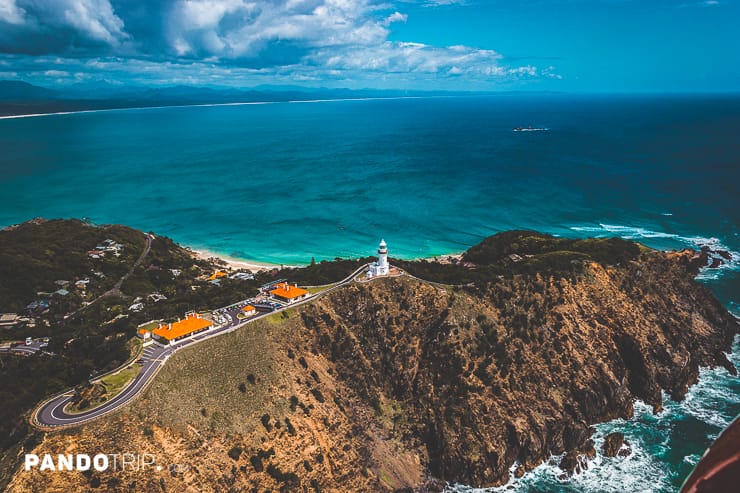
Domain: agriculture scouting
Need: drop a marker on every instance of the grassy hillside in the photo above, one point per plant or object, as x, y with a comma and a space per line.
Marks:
90, 340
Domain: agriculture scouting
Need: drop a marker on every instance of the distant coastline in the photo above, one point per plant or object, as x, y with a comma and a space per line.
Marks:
20, 99
205, 105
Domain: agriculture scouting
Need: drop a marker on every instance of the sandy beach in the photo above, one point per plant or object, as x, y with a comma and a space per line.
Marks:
235, 263
256, 266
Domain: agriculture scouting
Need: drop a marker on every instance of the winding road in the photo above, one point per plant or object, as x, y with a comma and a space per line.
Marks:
116, 289
51, 414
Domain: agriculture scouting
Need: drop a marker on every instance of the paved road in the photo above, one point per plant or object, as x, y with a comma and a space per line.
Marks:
116, 289
50, 414
24, 349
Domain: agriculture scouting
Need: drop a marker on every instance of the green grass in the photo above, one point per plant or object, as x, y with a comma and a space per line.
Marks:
281, 316
386, 478
320, 289
200, 385
149, 326
275, 318
114, 384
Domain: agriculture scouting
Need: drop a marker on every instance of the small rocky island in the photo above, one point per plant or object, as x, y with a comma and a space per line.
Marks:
504, 357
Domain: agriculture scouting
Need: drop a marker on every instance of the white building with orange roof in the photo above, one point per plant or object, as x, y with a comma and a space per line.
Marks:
190, 325
288, 293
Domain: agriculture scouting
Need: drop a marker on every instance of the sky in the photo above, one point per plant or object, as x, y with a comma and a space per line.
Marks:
552, 45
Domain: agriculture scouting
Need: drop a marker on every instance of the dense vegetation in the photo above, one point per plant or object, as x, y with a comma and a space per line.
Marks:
524, 253
324, 272
34, 255
494, 249
85, 342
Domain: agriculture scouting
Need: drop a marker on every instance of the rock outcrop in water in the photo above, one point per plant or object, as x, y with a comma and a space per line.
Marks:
400, 383
613, 443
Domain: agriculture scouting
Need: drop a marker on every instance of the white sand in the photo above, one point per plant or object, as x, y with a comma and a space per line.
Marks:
234, 263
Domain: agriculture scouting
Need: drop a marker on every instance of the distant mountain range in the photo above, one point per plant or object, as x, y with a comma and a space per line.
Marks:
16, 90
22, 98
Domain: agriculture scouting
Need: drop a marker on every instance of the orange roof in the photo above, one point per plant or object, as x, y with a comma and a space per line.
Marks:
249, 308
189, 324
285, 290
216, 275
143, 331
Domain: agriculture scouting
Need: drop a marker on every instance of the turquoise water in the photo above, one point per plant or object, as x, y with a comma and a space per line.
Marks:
287, 182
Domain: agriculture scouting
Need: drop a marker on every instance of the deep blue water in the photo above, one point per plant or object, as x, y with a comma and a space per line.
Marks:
289, 181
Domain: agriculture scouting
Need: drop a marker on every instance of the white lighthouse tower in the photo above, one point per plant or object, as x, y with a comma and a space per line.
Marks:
380, 267
382, 258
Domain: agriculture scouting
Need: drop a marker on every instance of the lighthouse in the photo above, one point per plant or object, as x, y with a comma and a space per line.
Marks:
382, 258
380, 267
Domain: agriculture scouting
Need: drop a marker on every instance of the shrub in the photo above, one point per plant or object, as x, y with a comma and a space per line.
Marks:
265, 420
318, 395
235, 453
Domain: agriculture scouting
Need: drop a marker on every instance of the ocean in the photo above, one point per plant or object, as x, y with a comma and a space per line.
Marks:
287, 182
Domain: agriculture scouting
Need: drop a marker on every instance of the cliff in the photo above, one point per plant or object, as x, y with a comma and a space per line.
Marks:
400, 383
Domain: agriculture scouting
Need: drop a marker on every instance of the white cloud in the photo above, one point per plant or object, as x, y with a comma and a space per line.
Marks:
47, 21
240, 28
11, 13
94, 17
243, 41
395, 17
437, 3
344, 36
206, 14
522, 71
399, 57
550, 73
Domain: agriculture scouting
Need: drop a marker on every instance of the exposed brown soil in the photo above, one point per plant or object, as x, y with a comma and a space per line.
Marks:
401, 384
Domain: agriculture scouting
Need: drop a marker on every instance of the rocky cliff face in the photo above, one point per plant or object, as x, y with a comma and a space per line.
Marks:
400, 384
518, 370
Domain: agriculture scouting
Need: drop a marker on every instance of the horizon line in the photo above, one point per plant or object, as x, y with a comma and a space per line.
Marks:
459, 94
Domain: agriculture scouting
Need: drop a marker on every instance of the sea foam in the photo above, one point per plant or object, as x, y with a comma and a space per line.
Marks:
713, 402
646, 235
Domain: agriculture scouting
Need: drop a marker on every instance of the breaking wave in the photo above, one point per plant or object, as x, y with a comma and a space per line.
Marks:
663, 240
664, 447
